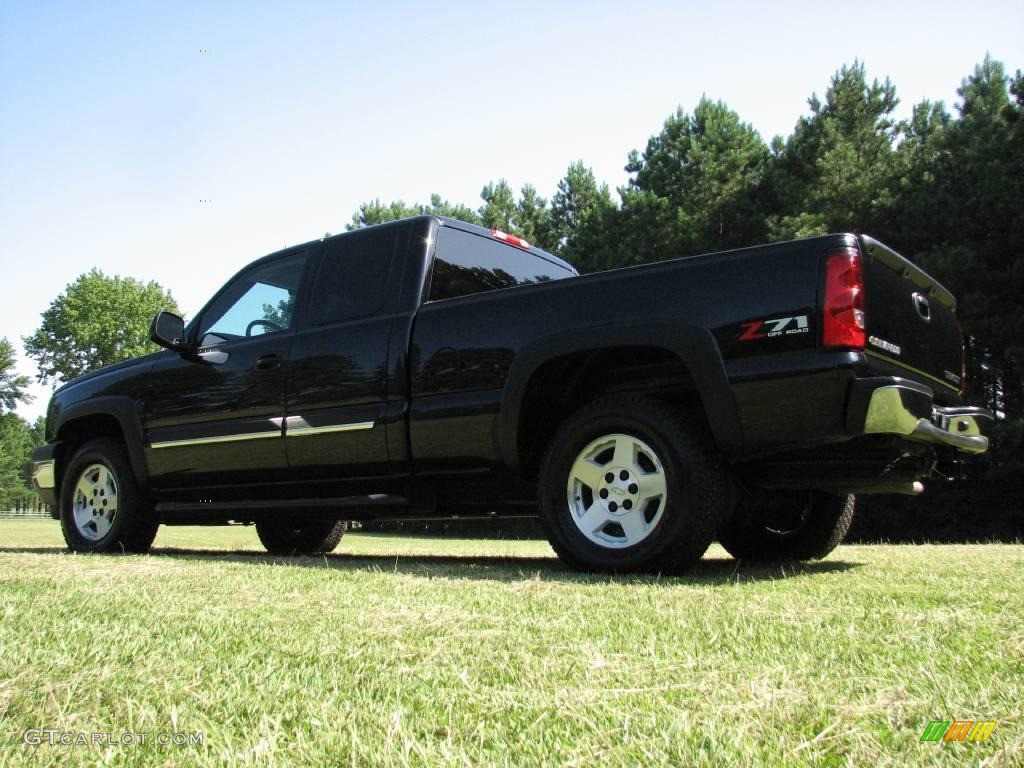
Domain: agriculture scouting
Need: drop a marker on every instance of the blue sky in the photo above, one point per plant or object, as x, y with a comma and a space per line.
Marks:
114, 125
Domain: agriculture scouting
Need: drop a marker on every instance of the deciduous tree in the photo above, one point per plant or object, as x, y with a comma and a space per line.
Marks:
97, 321
12, 384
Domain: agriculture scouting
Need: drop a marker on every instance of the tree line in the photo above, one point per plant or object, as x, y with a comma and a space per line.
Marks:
941, 187
943, 190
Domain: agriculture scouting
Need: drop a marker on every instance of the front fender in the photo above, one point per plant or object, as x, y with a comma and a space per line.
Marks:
125, 411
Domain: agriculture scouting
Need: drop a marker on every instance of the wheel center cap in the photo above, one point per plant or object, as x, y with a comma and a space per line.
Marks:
617, 492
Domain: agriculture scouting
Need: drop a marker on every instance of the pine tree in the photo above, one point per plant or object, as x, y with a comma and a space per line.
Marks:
499, 208
696, 185
581, 211
533, 218
835, 172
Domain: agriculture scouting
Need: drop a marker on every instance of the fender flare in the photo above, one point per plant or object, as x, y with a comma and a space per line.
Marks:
124, 410
694, 346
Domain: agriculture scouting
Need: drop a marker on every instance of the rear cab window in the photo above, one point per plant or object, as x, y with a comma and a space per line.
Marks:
353, 275
466, 263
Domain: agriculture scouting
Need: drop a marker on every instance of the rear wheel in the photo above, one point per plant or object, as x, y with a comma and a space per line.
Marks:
632, 484
101, 506
303, 538
787, 525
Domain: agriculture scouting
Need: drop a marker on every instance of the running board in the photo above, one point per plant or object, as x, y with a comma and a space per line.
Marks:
341, 508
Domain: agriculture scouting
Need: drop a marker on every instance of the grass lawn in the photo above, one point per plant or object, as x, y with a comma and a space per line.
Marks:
446, 652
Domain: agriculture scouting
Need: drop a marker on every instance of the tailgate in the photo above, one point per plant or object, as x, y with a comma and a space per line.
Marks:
911, 320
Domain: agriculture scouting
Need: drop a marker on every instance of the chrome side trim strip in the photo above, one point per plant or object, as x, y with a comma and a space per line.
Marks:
302, 429
295, 426
217, 439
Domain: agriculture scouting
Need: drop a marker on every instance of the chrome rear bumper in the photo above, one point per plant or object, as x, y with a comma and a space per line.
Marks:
896, 409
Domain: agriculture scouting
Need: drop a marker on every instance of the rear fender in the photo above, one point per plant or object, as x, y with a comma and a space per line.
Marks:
694, 346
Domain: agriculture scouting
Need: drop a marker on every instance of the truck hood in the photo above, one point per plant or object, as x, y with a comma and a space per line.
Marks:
134, 362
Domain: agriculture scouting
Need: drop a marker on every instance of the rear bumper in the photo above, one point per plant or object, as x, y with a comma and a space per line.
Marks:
902, 408
844, 434
44, 473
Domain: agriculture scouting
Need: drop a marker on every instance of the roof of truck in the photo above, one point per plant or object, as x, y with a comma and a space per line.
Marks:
444, 221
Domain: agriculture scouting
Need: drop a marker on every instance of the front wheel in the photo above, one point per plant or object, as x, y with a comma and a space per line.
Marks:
632, 484
787, 525
101, 506
282, 537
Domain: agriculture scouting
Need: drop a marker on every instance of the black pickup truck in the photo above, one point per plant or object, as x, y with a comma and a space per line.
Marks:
430, 368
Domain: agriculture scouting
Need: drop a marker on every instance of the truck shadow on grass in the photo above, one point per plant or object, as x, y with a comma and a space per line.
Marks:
512, 569
508, 568
710, 570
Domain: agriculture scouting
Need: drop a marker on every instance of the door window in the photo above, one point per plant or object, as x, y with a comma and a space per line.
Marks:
260, 301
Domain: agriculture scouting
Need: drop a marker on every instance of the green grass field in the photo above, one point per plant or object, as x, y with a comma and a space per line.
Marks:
446, 652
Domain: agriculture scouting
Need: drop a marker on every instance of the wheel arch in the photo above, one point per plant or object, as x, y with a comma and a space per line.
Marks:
114, 417
684, 355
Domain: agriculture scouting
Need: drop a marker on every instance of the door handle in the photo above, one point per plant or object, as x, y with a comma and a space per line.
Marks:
268, 362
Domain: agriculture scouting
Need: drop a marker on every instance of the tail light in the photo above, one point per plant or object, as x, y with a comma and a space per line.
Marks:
843, 317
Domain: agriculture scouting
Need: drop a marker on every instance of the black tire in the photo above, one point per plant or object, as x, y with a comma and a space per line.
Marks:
787, 525
102, 508
289, 538
672, 531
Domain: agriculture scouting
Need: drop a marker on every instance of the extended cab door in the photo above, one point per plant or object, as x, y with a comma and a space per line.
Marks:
464, 349
215, 418
336, 429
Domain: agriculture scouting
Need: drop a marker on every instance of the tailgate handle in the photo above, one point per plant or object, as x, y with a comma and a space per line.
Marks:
921, 305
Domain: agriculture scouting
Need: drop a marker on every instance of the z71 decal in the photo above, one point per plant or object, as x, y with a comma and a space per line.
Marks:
767, 329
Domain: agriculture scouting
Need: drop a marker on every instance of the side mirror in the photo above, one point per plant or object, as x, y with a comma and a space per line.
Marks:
168, 330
